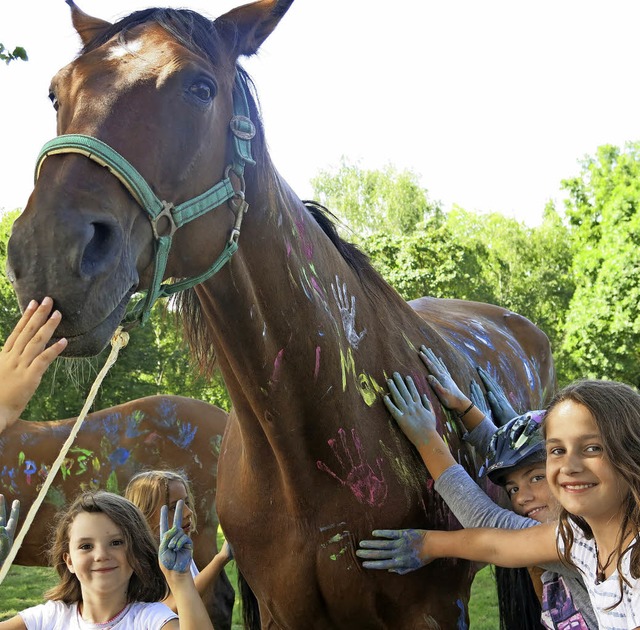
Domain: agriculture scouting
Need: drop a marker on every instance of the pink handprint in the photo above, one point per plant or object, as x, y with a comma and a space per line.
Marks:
366, 485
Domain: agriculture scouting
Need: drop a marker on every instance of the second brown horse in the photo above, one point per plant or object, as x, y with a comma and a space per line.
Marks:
113, 444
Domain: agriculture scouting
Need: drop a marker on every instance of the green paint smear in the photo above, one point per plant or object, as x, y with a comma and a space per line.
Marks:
335, 556
112, 483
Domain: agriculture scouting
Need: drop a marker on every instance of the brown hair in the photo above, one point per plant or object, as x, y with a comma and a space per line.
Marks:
149, 490
147, 583
615, 408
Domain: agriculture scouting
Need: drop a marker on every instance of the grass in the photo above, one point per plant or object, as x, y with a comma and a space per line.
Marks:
24, 586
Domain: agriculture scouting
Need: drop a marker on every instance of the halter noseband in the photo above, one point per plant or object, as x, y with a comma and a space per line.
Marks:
243, 131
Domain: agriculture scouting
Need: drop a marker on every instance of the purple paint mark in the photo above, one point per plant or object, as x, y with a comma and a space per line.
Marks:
30, 469
119, 457
318, 289
316, 371
186, 433
367, 485
277, 366
307, 245
287, 245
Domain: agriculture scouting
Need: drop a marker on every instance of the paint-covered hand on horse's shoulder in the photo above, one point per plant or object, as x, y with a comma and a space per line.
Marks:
410, 409
395, 550
442, 382
7, 528
25, 358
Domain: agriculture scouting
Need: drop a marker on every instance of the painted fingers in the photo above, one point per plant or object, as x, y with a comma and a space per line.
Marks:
176, 548
7, 528
411, 410
443, 385
396, 551
500, 406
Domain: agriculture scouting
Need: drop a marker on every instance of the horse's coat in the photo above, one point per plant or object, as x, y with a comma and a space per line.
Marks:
156, 432
305, 332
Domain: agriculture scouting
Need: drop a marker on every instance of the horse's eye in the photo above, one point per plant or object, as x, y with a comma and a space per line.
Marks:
54, 100
203, 91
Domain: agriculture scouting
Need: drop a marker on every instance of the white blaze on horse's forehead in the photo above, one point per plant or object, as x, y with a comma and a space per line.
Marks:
119, 50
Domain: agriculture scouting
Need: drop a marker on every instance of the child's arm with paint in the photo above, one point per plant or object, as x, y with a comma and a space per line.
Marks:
400, 551
175, 555
208, 575
24, 358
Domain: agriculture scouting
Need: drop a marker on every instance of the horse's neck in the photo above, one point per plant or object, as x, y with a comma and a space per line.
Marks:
294, 324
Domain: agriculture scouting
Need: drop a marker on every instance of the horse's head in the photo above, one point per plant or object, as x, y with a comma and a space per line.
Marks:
151, 97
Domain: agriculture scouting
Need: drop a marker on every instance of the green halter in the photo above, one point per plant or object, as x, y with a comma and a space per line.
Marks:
243, 131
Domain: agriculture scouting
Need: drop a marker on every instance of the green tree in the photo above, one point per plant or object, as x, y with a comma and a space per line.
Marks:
17, 53
371, 201
603, 207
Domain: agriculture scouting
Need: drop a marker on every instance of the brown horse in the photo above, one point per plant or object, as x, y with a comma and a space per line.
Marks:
304, 330
153, 432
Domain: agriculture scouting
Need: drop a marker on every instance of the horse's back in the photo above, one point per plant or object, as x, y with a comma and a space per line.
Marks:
508, 345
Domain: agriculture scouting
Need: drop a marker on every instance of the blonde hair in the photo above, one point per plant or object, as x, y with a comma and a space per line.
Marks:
149, 490
147, 583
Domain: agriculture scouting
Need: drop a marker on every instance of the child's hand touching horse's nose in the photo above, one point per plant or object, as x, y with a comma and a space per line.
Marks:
176, 548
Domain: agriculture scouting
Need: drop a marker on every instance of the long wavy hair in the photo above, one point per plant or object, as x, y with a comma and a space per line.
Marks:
147, 583
615, 408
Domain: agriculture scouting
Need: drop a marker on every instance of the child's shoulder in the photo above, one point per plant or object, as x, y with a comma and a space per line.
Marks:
147, 614
53, 615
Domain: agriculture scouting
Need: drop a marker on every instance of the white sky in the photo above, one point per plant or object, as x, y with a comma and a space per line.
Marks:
492, 103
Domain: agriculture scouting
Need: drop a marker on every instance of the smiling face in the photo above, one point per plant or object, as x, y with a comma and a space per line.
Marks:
529, 493
578, 471
98, 557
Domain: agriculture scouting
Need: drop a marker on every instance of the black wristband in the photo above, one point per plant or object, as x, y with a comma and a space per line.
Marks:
466, 411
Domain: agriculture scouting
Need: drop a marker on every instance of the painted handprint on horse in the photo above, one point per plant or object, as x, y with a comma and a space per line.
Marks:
367, 485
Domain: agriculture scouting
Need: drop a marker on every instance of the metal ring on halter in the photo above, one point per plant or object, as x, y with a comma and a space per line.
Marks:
166, 213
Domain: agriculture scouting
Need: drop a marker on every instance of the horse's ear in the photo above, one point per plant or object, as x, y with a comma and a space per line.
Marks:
88, 27
250, 24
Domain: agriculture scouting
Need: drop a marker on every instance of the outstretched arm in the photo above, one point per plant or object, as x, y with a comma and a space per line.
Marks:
400, 551
25, 358
175, 555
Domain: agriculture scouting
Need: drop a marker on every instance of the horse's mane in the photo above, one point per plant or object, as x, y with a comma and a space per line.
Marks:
201, 36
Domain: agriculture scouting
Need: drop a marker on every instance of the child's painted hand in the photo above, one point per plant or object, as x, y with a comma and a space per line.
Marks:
176, 548
7, 529
444, 386
412, 411
479, 400
395, 550
25, 358
500, 406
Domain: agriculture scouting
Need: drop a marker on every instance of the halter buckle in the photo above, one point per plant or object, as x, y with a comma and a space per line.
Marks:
242, 127
165, 213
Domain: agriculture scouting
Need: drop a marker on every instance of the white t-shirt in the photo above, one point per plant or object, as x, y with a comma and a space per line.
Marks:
56, 615
194, 569
626, 615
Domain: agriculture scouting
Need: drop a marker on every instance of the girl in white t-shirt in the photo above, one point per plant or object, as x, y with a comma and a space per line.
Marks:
150, 490
112, 574
592, 436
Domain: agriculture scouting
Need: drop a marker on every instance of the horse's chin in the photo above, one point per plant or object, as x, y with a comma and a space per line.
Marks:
92, 342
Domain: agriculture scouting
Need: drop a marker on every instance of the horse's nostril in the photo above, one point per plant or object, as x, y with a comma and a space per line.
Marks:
98, 249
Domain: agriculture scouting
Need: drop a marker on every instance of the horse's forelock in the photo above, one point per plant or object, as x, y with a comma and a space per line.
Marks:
194, 31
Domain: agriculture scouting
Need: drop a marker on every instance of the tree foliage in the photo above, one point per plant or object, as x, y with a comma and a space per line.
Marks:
17, 53
603, 324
